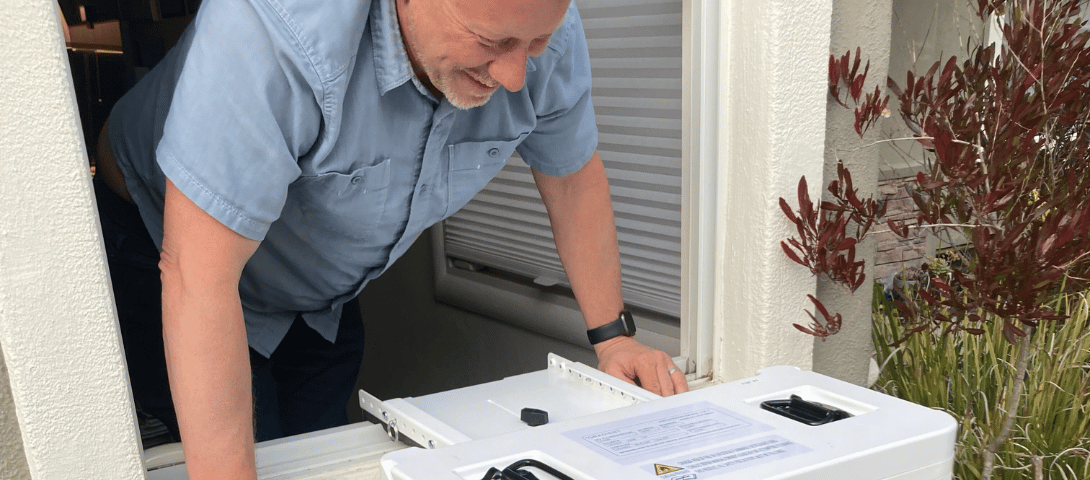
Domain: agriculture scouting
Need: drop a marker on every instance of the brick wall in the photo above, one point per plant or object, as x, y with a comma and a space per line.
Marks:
894, 253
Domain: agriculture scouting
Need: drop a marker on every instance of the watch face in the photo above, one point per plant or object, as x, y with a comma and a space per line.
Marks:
629, 323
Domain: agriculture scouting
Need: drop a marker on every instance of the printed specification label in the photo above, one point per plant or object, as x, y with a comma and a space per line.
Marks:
666, 434
722, 460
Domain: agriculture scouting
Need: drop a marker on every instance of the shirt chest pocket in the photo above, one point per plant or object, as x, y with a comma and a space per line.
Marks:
472, 166
344, 204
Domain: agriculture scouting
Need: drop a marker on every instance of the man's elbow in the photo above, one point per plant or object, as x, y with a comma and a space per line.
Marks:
191, 277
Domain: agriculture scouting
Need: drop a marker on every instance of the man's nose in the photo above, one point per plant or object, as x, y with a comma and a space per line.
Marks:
510, 69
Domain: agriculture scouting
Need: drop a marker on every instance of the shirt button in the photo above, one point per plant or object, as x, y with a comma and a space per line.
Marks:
356, 180
493, 152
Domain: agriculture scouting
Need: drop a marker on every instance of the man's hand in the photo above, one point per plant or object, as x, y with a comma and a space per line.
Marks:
581, 214
638, 364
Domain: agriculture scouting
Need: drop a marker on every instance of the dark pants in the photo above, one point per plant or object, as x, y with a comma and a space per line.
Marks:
304, 386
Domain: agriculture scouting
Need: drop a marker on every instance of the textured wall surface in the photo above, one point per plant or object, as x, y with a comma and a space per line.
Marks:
12, 461
772, 95
58, 329
864, 24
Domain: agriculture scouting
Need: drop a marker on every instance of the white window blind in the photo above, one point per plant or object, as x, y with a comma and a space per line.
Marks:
635, 50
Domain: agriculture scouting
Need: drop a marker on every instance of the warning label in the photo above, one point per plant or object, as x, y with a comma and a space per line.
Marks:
727, 458
661, 470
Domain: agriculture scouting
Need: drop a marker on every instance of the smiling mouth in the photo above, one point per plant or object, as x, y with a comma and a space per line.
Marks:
484, 85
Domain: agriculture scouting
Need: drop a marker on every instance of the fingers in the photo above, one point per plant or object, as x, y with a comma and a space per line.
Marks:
659, 375
632, 361
681, 385
650, 374
666, 386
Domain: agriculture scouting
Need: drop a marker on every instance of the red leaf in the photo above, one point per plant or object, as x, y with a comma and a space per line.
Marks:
805, 206
818, 305
834, 70
941, 285
901, 230
834, 187
947, 71
927, 297
893, 87
807, 330
858, 58
787, 211
1034, 74
931, 71
1012, 333
791, 255
857, 82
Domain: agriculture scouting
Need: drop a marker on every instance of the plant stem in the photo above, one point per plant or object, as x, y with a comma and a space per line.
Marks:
1011, 412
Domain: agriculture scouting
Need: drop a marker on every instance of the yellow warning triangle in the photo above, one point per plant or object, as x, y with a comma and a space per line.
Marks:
664, 469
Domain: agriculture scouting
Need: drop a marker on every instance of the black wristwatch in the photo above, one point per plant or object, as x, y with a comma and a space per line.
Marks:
623, 325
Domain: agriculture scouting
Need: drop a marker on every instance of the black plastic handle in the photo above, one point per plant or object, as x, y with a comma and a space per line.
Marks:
799, 410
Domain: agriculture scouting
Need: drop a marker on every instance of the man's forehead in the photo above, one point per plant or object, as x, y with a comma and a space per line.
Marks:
512, 18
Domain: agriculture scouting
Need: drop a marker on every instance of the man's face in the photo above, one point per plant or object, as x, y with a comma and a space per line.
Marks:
465, 50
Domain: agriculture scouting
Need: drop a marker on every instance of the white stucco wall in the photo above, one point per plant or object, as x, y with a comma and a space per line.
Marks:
772, 129
864, 24
12, 461
58, 329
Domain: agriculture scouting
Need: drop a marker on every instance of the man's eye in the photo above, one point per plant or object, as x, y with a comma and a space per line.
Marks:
503, 45
491, 45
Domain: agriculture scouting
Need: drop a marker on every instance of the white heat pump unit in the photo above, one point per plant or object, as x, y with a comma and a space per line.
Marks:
572, 422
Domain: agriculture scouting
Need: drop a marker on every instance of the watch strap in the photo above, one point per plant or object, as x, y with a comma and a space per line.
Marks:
623, 325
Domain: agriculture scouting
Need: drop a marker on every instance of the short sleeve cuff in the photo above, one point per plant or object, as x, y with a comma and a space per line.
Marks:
223, 211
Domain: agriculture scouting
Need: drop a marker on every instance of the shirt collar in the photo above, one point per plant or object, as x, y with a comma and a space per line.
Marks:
392, 65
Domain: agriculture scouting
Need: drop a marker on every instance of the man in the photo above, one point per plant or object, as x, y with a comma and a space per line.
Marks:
285, 153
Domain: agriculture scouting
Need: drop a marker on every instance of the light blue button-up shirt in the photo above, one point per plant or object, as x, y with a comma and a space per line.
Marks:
300, 123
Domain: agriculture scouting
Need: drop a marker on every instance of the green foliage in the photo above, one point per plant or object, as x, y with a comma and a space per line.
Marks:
971, 377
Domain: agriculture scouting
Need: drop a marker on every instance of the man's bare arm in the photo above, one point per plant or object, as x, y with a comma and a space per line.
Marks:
205, 340
581, 214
